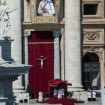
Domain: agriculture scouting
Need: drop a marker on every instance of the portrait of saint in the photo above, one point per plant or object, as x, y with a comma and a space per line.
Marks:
45, 8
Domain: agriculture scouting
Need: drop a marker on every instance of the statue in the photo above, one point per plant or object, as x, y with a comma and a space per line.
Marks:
42, 60
40, 97
4, 19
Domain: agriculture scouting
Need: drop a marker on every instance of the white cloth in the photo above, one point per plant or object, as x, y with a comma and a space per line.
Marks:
94, 95
89, 95
55, 92
49, 6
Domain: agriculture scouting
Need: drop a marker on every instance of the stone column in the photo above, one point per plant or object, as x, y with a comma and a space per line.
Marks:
56, 35
62, 54
26, 35
73, 44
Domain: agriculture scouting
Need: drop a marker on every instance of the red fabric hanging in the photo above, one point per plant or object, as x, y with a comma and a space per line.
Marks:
37, 79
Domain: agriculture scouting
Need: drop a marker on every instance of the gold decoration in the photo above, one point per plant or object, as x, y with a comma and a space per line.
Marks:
41, 43
44, 19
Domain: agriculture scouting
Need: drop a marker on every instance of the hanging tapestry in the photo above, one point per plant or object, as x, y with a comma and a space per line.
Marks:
44, 11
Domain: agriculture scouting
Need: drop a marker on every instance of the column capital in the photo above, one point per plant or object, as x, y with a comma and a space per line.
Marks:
56, 33
27, 33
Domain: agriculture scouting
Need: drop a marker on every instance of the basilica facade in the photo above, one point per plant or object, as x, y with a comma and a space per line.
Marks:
72, 49
87, 61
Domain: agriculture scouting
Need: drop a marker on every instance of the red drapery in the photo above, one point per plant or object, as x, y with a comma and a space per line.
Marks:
37, 79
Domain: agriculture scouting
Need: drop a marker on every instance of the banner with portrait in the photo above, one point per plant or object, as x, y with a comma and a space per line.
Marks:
44, 11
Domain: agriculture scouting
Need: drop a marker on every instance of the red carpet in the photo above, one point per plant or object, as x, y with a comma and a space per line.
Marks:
64, 101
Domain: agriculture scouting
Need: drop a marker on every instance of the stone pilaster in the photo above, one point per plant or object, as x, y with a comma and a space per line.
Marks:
26, 35
73, 44
56, 35
15, 33
62, 54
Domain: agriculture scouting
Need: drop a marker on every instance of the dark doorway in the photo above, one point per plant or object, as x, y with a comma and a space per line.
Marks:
91, 71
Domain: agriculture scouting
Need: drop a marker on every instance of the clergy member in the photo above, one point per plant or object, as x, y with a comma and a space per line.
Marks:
21, 97
55, 93
46, 8
63, 92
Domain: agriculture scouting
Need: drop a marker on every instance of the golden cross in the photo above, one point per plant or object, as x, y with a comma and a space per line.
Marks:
41, 59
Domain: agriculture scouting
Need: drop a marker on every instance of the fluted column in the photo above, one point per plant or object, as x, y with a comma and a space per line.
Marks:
26, 35
73, 44
56, 35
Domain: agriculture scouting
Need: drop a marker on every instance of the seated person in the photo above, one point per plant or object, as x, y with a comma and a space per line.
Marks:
55, 93
26, 97
63, 92
59, 94
21, 97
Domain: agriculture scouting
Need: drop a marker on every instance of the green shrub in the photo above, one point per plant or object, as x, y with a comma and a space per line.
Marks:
29, 90
36, 100
69, 94
45, 95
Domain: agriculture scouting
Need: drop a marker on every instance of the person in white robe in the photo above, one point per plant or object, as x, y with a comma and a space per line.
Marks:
46, 8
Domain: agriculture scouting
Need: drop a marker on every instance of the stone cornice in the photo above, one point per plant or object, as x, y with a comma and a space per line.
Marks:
42, 27
93, 22
95, 44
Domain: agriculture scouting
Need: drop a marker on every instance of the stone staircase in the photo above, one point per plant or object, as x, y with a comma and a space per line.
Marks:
89, 104
33, 102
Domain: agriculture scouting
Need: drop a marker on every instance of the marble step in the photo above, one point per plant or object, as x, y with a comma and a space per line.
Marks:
89, 104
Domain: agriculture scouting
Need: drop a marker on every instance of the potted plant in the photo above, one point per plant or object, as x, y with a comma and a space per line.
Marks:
69, 94
29, 90
46, 96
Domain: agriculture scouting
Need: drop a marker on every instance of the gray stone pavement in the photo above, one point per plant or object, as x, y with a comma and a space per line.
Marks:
33, 102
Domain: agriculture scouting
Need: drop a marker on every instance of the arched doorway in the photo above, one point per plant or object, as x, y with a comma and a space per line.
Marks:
91, 71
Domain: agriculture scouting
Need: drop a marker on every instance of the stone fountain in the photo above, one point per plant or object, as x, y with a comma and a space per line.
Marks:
9, 71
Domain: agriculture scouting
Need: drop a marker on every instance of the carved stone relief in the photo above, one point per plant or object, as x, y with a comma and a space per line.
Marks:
91, 36
98, 50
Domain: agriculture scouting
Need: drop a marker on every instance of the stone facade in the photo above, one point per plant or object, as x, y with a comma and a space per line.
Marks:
88, 36
92, 32
93, 40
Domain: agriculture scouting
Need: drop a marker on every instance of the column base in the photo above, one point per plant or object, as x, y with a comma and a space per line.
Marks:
83, 96
7, 100
17, 93
75, 88
18, 88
